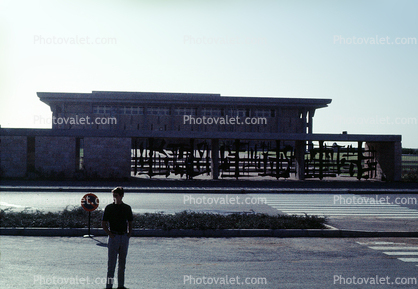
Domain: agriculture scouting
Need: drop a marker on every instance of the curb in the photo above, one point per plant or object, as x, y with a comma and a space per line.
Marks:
233, 233
214, 190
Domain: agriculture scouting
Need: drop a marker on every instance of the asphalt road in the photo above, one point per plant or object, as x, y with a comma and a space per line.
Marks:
56, 262
59, 262
140, 202
349, 216
174, 202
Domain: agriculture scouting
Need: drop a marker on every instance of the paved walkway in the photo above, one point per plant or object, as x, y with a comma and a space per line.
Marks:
172, 185
333, 205
161, 263
260, 182
353, 212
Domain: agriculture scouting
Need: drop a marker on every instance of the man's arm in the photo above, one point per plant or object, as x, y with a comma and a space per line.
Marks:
105, 226
129, 229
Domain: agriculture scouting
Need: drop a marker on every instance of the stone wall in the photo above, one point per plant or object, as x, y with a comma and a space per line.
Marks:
54, 153
13, 156
107, 157
55, 156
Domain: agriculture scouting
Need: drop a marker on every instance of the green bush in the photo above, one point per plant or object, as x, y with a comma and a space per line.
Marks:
410, 176
78, 218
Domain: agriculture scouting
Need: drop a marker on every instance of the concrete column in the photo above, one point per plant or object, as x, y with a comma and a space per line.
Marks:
310, 124
397, 175
310, 121
215, 158
300, 159
389, 160
304, 119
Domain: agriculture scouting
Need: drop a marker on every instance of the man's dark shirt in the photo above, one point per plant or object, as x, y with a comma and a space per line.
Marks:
118, 216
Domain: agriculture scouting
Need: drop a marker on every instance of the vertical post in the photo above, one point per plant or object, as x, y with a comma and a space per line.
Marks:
304, 121
150, 156
190, 166
237, 146
321, 159
300, 146
338, 160
397, 161
310, 124
278, 160
215, 158
136, 155
89, 223
359, 160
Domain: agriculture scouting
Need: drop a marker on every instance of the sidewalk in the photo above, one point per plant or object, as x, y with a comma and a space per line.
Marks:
332, 232
382, 226
215, 186
154, 263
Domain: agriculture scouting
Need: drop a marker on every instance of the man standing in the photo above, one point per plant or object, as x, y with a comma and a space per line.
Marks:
117, 223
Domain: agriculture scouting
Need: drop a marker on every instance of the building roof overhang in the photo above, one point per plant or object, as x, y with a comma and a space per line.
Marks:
121, 97
199, 135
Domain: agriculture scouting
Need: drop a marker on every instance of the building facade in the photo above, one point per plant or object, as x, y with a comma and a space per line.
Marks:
122, 134
181, 112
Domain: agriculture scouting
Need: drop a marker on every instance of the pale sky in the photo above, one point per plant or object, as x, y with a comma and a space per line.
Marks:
343, 50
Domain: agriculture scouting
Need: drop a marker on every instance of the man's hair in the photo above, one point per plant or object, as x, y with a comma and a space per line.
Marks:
119, 191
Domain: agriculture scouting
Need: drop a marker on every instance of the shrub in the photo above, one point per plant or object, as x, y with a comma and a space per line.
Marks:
78, 218
410, 175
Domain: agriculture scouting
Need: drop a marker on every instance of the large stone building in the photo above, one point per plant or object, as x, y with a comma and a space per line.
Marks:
146, 111
121, 134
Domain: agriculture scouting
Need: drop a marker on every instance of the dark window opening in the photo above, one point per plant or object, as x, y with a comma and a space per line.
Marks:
30, 162
79, 153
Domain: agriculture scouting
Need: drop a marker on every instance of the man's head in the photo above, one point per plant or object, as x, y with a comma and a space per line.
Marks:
118, 194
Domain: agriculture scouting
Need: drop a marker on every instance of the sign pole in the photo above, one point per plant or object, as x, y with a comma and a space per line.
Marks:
89, 202
89, 224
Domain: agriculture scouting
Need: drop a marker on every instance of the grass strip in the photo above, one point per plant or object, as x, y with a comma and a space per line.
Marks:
78, 218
